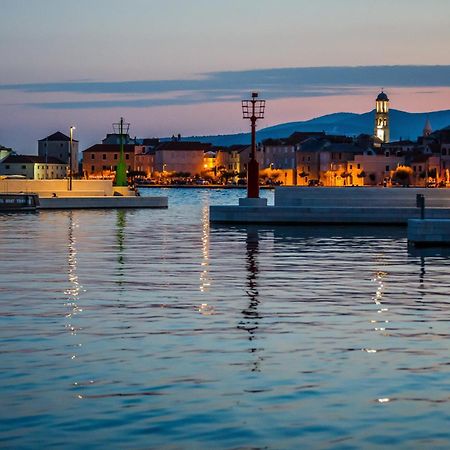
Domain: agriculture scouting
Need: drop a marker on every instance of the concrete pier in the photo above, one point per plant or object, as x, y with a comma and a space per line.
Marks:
429, 232
303, 205
102, 202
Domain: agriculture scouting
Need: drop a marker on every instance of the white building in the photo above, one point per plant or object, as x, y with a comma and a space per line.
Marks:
57, 145
33, 167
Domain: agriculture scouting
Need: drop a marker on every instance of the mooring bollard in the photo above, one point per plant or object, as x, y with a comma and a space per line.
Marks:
420, 203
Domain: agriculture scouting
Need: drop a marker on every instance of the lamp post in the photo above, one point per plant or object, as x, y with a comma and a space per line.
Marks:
70, 157
253, 109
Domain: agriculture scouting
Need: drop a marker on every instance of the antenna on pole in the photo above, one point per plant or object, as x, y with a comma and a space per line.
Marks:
121, 128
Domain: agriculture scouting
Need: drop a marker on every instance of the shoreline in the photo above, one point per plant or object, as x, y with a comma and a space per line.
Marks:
195, 186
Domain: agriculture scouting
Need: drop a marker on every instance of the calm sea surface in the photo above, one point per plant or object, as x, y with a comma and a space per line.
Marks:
151, 329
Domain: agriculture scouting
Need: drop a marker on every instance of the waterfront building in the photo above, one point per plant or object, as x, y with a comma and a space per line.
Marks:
100, 160
209, 160
33, 167
323, 160
231, 158
178, 156
373, 169
381, 130
57, 145
278, 154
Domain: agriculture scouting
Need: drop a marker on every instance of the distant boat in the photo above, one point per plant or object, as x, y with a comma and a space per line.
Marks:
18, 202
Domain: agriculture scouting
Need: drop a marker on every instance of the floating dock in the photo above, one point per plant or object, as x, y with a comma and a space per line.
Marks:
429, 232
339, 205
102, 202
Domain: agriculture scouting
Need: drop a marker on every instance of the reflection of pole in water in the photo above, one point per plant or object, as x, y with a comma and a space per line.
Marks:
120, 237
251, 315
422, 271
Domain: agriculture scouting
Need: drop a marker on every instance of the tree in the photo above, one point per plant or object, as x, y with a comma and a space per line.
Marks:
403, 175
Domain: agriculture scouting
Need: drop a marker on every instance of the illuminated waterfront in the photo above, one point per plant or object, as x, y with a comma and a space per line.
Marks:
149, 329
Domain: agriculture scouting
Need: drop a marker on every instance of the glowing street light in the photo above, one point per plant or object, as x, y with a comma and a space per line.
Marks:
253, 109
72, 128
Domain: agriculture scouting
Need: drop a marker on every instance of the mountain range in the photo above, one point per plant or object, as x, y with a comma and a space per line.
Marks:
403, 125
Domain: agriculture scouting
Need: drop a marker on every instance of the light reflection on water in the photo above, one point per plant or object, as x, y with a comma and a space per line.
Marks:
187, 335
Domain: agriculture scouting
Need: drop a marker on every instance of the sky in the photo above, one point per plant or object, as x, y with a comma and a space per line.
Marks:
182, 66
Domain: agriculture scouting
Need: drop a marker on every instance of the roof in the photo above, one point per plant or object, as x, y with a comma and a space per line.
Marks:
183, 145
323, 144
398, 143
295, 138
313, 145
31, 159
382, 97
105, 148
58, 136
150, 141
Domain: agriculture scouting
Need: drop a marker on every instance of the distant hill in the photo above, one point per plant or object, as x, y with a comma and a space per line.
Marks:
404, 125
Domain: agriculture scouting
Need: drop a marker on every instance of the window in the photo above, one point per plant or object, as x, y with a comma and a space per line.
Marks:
414, 168
92, 155
104, 155
359, 166
351, 167
420, 168
60, 146
309, 158
127, 156
104, 167
7, 167
386, 154
444, 151
387, 169
92, 168
115, 155
340, 155
24, 167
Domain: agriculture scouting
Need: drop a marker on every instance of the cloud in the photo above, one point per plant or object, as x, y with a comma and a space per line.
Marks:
233, 85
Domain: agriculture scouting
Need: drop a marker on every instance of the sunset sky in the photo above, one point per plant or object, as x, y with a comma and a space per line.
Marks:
178, 66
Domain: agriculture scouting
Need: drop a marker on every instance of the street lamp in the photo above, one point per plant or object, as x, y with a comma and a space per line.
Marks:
253, 109
70, 157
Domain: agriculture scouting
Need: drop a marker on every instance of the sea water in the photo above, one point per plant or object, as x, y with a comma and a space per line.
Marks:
153, 329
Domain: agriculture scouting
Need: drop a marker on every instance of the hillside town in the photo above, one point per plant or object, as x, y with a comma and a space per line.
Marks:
301, 159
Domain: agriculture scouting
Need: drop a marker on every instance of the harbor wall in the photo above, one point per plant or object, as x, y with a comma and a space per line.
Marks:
47, 188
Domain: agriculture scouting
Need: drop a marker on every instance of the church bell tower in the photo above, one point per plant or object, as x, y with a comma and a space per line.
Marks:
382, 117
